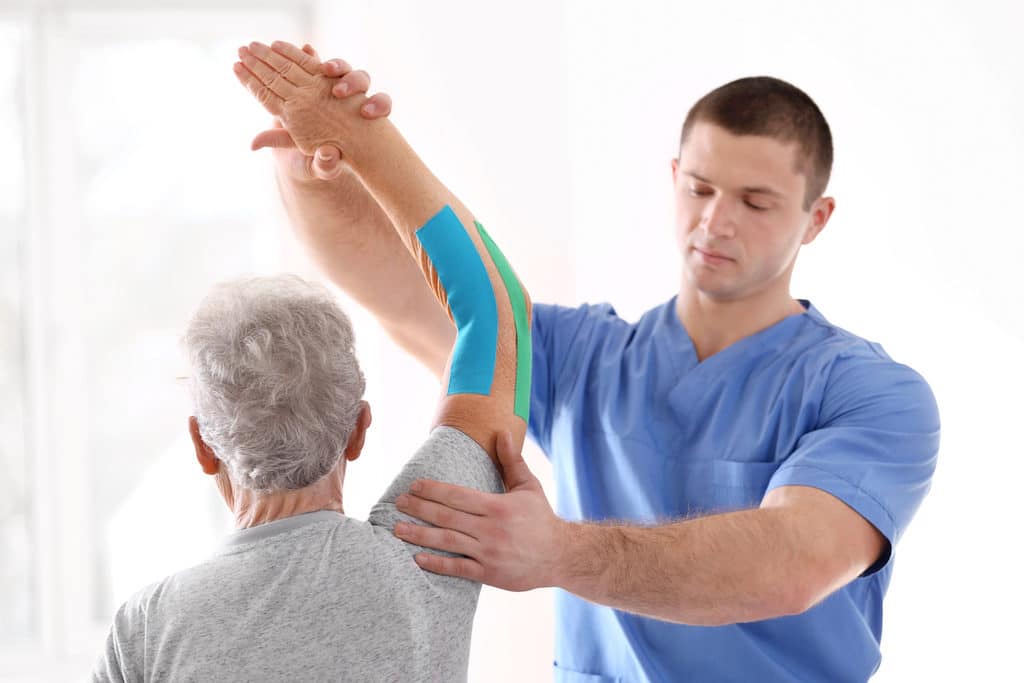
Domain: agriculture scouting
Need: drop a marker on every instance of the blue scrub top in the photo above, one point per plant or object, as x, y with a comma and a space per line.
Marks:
638, 430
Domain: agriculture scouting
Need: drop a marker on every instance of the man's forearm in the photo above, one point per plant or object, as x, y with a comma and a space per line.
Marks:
487, 390
721, 569
353, 241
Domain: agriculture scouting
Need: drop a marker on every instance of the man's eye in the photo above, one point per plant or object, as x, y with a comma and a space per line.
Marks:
699, 192
755, 207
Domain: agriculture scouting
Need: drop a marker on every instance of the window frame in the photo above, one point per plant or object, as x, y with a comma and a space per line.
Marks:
66, 638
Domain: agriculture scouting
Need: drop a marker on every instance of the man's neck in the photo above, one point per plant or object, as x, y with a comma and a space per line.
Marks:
714, 325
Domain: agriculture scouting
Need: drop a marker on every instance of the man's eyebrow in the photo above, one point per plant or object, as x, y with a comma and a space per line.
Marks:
756, 189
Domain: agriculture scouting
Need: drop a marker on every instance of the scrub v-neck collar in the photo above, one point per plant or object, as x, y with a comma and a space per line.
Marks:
770, 337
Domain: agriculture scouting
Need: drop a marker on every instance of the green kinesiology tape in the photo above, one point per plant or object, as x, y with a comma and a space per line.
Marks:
524, 339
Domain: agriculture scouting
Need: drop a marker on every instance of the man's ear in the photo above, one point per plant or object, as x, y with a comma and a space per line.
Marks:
821, 211
358, 437
204, 454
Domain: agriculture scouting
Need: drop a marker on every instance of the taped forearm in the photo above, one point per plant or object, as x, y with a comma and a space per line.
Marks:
490, 308
471, 278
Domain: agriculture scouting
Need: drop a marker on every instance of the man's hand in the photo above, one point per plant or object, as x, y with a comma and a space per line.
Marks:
512, 541
325, 164
289, 83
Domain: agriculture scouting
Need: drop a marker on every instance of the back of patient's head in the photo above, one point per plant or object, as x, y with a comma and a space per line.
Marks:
276, 387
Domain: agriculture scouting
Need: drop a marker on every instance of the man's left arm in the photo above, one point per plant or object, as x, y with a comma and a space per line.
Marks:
748, 565
832, 512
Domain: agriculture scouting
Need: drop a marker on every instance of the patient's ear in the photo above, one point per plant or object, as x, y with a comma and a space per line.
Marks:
358, 436
204, 454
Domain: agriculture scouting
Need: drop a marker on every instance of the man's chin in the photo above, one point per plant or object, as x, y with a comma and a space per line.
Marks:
712, 284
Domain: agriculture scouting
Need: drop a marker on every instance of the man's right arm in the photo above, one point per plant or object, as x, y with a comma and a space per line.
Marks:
354, 243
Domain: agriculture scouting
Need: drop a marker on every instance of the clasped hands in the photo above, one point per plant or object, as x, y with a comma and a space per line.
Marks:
304, 95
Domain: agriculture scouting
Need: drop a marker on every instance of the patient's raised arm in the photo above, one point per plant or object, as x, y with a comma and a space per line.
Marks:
487, 380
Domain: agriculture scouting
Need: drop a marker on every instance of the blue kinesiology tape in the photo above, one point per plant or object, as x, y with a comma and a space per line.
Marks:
470, 300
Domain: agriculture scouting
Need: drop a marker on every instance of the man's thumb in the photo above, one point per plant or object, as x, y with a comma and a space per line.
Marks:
327, 162
515, 473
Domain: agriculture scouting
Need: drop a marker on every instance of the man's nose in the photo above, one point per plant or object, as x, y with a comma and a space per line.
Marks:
717, 220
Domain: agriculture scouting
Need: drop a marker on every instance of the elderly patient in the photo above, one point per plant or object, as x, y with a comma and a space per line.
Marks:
300, 591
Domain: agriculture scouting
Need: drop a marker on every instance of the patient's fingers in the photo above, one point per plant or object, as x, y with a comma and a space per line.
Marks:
307, 62
285, 67
277, 83
270, 101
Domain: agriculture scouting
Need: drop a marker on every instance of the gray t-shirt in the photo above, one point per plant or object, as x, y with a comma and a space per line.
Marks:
314, 597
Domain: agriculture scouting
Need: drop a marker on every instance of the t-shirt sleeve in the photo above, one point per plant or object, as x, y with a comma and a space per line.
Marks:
875, 447
561, 338
117, 663
108, 667
447, 455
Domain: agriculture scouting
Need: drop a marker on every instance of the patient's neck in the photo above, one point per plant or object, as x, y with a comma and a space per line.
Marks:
251, 508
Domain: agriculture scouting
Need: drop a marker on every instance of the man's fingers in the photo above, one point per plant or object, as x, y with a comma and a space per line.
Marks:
439, 539
467, 500
305, 60
336, 68
266, 75
277, 138
451, 566
377, 107
515, 473
440, 515
353, 82
270, 101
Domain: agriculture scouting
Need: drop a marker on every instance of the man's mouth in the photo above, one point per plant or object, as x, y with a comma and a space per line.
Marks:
712, 256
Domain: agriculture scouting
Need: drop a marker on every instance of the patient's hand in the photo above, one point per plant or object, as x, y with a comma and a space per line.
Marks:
326, 163
288, 82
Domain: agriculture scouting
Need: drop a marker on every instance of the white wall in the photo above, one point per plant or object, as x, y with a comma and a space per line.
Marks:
556, 122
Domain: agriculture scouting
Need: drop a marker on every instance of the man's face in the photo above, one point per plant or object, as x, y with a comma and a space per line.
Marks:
740, 219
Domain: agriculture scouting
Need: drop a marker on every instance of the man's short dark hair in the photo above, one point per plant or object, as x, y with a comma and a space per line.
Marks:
770, 107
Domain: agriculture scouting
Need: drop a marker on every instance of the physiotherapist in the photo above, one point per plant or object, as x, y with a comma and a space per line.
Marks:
733, 470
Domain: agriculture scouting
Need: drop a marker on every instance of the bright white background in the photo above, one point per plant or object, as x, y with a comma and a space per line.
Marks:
127, 188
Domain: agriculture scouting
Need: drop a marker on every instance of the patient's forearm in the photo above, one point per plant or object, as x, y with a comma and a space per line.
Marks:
352, 240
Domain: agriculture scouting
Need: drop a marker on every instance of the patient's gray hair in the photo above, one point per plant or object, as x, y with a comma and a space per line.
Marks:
276, 386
